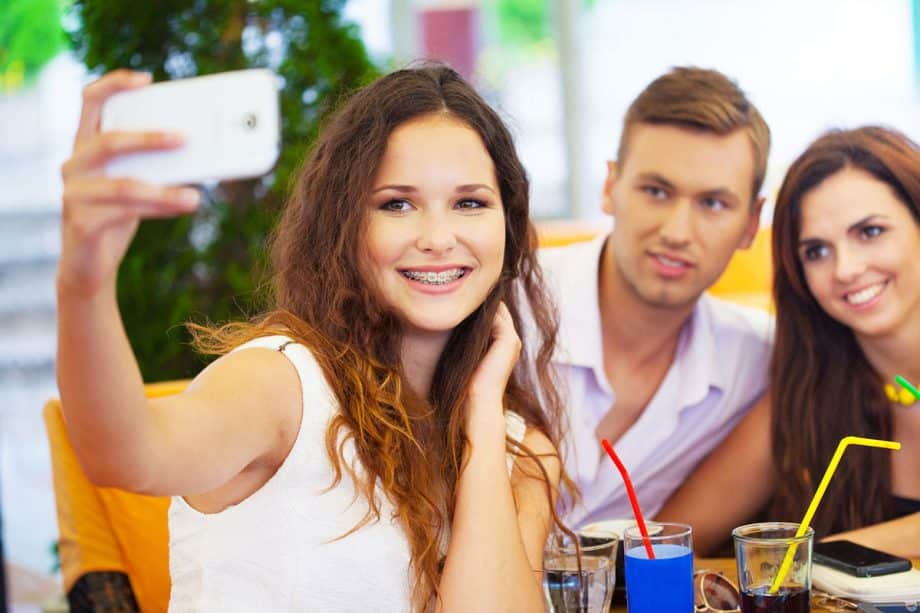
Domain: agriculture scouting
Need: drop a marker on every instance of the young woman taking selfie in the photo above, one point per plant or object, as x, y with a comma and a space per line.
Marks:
375, 440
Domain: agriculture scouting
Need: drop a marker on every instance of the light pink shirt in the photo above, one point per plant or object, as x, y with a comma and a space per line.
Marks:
718, 373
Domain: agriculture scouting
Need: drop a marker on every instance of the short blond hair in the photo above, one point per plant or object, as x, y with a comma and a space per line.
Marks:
700, 99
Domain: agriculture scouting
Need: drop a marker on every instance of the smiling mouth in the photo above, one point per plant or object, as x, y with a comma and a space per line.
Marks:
435, 278
865, 295
670, 262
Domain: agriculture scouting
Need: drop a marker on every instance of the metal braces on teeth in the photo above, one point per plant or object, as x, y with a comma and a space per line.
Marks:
435, 278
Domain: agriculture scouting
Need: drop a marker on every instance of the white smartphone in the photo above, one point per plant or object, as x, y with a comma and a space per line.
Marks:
230, 122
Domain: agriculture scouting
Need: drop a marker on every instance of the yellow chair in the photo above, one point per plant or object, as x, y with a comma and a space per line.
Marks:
107, 529
747, 280
749, 276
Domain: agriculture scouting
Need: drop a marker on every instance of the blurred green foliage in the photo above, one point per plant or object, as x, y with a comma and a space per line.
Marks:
30, 36
522, 22
209, 266
525, 23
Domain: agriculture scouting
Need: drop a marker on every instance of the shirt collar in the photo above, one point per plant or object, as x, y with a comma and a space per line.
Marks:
579, 308
697, 355
580, 343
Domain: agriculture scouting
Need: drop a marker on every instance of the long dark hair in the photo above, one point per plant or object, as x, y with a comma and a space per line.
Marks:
824, 387
412, 447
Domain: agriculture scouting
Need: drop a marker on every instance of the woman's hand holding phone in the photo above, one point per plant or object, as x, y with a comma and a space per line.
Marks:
485, 414
101, 214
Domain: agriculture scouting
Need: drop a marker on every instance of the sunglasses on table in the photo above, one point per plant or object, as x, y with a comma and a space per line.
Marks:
713, 592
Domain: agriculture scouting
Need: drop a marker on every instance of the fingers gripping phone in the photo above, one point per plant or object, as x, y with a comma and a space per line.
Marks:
858, 560
230, 122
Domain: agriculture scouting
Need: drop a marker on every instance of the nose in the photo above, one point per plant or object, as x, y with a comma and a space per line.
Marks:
677, 226
435, 234
848, 265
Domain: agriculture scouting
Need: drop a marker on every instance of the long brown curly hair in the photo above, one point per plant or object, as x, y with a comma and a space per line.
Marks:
411, 446
824, 387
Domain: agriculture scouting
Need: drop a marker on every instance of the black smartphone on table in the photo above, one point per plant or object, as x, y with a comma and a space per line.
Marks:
858, 560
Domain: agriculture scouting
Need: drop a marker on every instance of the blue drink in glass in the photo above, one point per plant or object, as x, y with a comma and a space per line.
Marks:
666, 582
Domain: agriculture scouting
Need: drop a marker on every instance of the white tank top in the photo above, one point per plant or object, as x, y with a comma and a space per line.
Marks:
277, 549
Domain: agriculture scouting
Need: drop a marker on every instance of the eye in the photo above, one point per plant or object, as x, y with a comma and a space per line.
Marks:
396, 206
714, 204
870, 232
814, 253
470, 204
654, 191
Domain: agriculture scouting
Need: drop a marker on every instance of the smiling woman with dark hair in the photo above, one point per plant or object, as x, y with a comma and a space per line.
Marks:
846, 254
375, 428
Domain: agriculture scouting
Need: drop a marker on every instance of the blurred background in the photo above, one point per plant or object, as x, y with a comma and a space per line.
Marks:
561, 72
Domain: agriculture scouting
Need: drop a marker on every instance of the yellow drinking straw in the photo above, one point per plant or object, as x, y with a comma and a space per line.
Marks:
816, 500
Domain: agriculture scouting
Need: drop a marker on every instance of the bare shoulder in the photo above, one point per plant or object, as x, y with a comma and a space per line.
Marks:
255, 380
539, 443
544, 451
243, 410
252, 368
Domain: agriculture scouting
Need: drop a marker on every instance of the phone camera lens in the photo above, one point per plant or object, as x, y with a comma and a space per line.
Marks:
250, 121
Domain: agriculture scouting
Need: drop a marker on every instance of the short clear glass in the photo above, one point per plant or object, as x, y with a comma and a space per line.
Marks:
586, 588
759, 553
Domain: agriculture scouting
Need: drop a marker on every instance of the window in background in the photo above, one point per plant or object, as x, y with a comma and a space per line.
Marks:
809, 66
39, 107
508, 49
562, 72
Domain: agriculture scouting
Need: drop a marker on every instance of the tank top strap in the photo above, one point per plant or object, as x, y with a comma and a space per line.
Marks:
515, 429
299, 355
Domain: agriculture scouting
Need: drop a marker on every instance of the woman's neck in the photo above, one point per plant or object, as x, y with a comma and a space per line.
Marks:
420, 354
895, 354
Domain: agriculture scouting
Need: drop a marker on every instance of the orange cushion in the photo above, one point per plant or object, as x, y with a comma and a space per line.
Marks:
108, 528
749, 276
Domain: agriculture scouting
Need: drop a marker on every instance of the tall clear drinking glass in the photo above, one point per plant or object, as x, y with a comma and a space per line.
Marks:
664, 583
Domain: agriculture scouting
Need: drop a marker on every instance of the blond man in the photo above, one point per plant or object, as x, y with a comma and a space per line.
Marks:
650, 361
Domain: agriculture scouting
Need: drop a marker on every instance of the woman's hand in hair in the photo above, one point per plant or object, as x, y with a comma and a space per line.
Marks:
487, 386
101, 214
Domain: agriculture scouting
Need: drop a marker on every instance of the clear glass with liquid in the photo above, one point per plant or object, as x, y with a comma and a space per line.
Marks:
570, 587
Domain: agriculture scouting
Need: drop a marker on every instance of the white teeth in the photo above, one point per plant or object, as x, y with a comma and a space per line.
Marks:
669, 262
864, 295
435, 278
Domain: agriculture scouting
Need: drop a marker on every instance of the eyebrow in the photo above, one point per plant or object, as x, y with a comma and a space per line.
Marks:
810, 242
721, 192
654, 177
410, 189
865, 220
807, 242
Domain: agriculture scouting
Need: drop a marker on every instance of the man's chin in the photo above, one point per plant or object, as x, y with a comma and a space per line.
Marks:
671, 298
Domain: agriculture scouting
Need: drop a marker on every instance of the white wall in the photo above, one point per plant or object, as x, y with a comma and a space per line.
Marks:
809, 65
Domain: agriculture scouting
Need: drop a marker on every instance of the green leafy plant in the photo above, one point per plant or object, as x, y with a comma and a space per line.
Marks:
209, 266
30, 36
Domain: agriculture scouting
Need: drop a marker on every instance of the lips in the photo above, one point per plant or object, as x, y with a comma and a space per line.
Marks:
865, 295
669, 266
671, 261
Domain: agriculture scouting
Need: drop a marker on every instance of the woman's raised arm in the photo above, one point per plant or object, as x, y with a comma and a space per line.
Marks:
167, 446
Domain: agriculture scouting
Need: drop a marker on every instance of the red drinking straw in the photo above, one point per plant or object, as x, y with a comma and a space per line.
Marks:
632, 497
